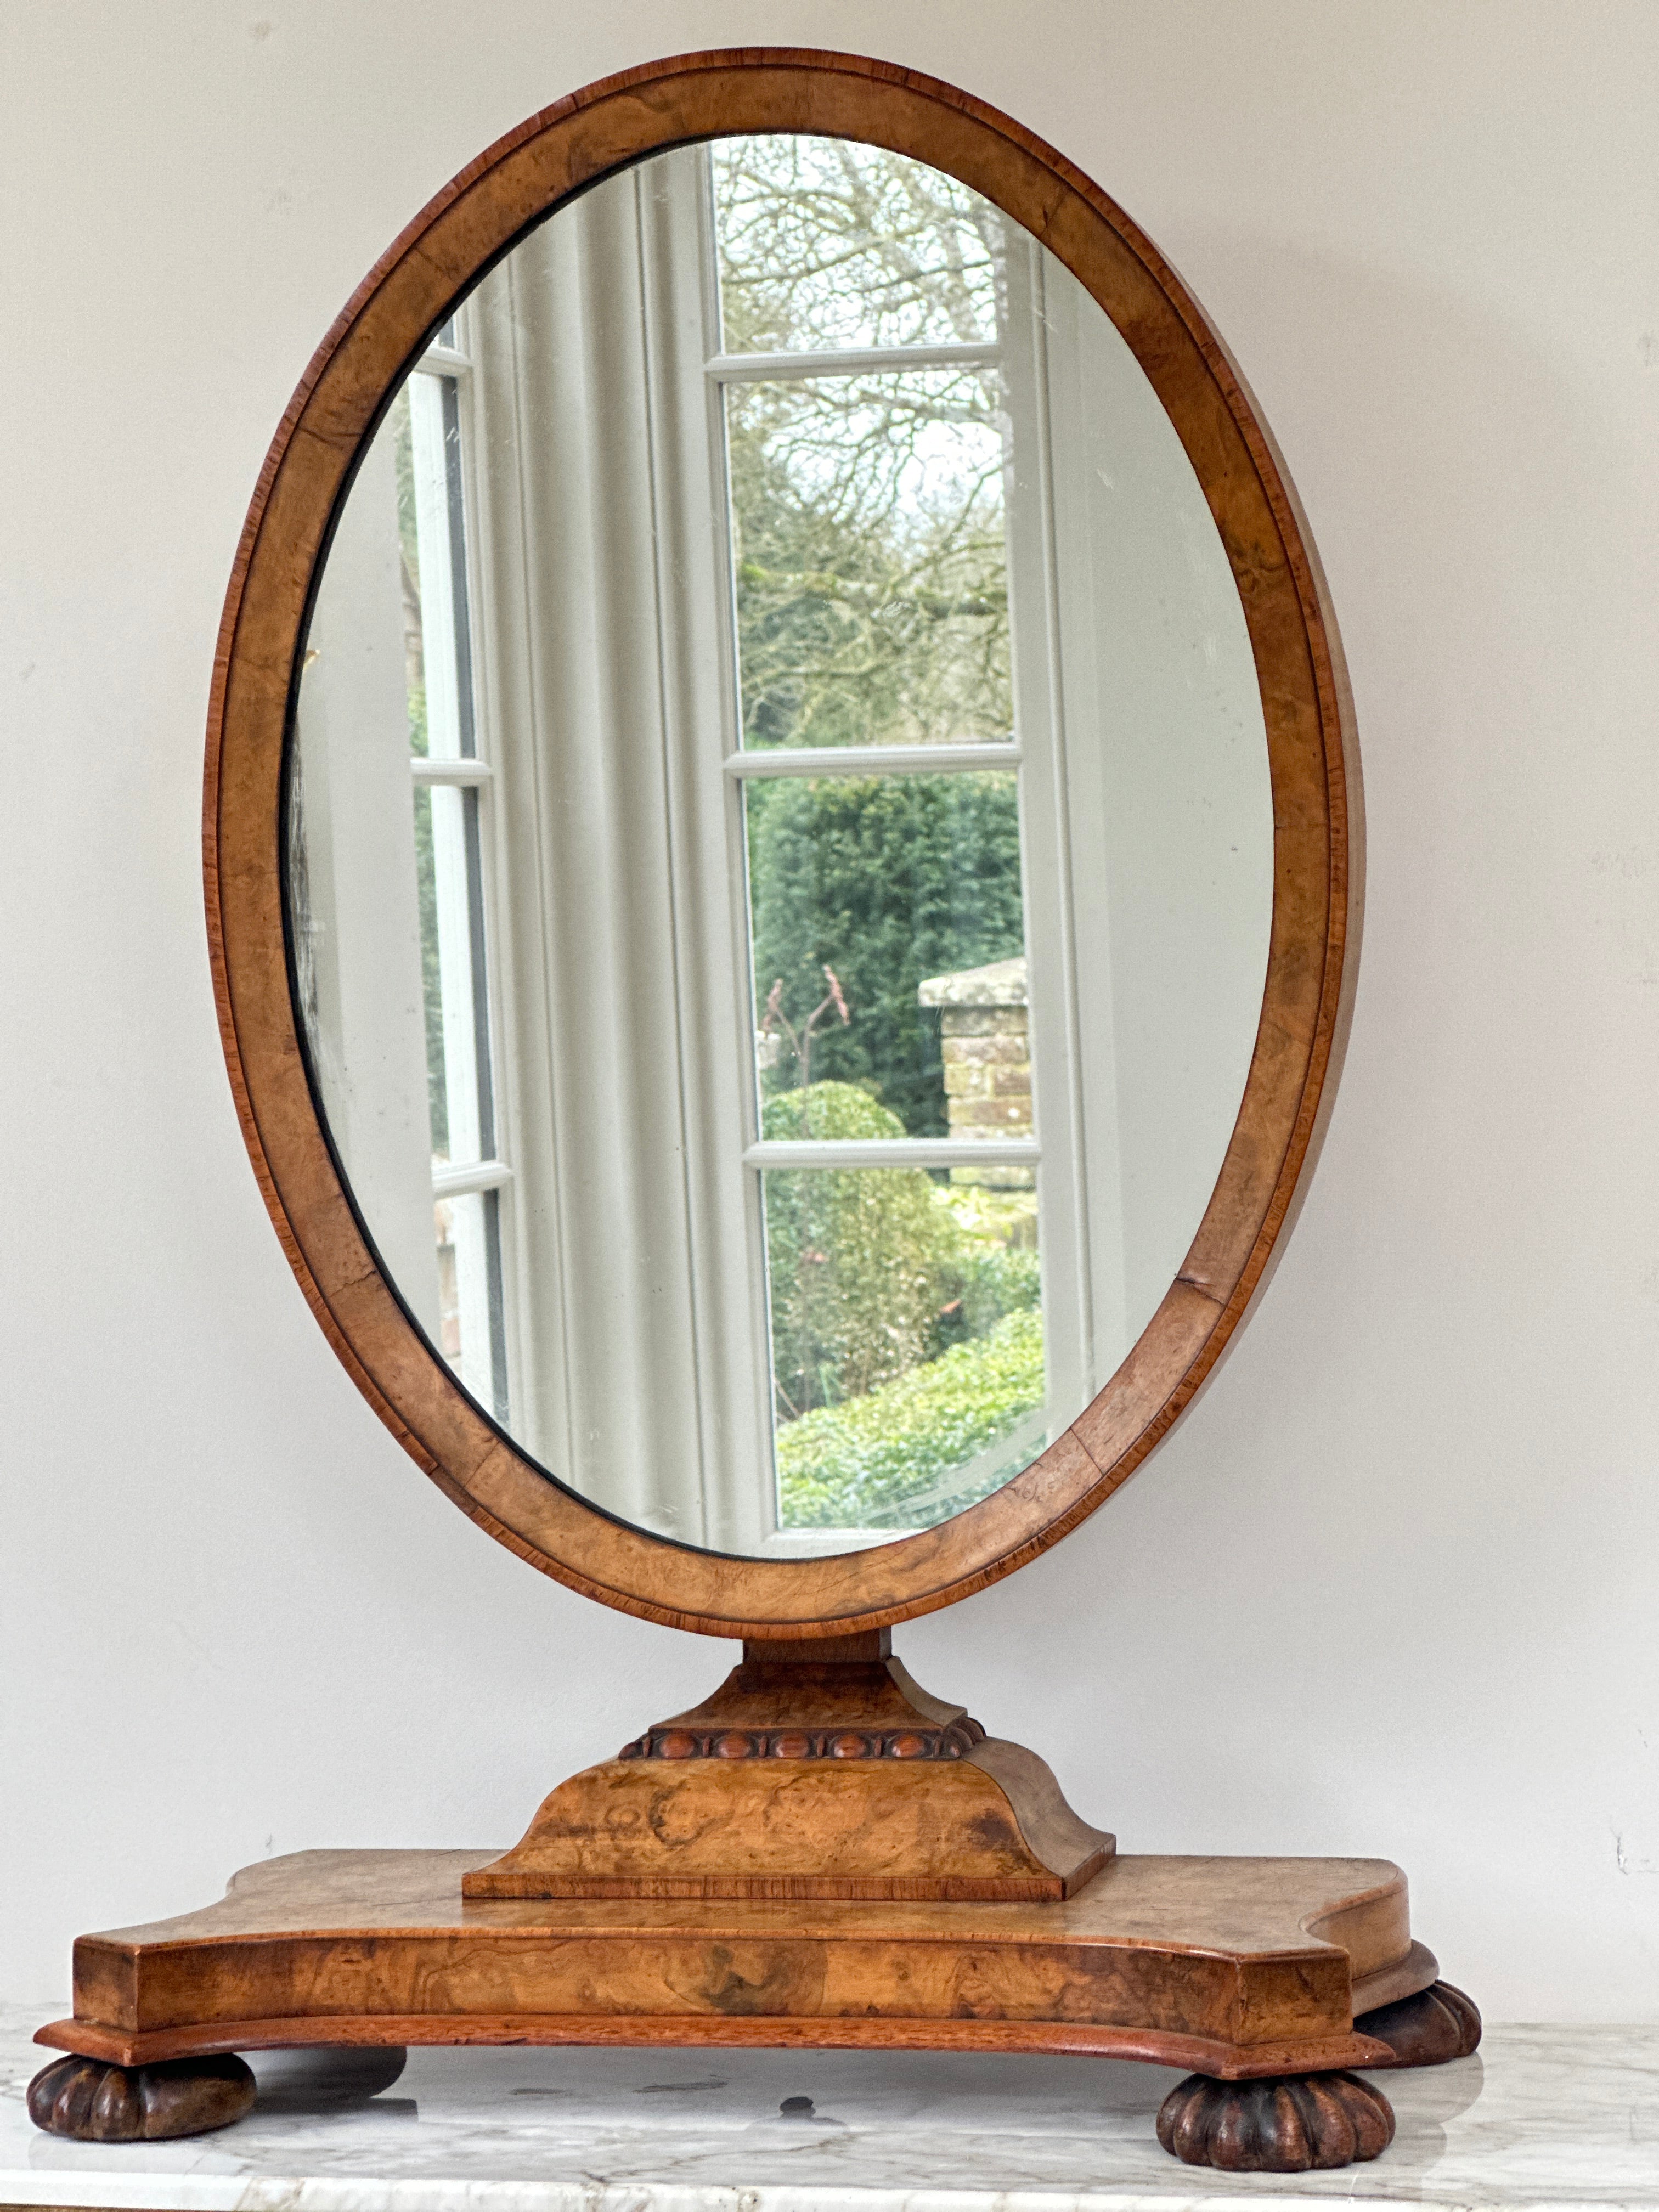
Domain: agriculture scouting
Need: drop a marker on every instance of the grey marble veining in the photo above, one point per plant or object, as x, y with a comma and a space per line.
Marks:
1541, 2117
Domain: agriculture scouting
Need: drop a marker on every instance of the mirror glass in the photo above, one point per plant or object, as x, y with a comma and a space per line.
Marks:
779, 845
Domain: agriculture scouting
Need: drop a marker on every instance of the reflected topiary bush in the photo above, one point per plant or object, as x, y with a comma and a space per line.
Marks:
857, 1257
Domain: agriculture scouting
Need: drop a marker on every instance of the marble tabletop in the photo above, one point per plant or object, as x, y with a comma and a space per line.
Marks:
1543, 2116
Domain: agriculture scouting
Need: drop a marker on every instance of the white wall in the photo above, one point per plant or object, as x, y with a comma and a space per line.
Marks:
1392, 1587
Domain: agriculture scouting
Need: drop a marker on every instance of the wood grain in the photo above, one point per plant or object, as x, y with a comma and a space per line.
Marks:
831, 1775
802, 1829
1316, 806
1206, 1963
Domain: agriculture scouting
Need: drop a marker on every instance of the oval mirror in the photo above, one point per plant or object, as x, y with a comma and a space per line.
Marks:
778, 856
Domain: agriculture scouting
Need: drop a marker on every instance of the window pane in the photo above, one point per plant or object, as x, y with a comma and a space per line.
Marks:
424, 423
399, 429
437, 650
825, 243
889, 952
468, 1231
906, 1343
449, 864
871, 574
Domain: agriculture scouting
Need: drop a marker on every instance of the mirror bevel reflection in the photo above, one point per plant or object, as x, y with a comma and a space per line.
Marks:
780, 846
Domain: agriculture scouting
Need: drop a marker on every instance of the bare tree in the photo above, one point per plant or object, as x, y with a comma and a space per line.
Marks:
774, 1022
871, 586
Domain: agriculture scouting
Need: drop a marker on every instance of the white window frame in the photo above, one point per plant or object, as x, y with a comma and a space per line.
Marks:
1035, 751
457, 762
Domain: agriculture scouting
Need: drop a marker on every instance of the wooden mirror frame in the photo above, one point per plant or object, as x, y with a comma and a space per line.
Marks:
1316, 796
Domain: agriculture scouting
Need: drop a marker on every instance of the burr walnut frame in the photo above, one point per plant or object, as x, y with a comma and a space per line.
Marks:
343, 392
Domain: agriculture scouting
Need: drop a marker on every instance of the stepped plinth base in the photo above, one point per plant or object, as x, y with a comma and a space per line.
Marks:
1233, 1968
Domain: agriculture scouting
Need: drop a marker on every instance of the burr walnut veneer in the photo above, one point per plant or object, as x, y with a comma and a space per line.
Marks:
830, 1776
1239, 1967
822, 1853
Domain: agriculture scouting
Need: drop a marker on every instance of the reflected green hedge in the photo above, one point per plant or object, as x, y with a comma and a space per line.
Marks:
854, 1465
887, 879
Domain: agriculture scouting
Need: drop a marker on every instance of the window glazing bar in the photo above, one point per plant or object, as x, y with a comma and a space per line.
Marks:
869, 760
449, 769
474, 1174
853, 360
895, 1152
442, 361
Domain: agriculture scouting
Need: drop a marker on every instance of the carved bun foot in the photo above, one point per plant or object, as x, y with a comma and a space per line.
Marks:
93, 2101
1284, 2125
1438, 2024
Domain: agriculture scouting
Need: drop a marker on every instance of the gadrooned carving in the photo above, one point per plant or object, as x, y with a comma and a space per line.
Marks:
92, 2101
1438, 2024
954, 1741
1287, 2125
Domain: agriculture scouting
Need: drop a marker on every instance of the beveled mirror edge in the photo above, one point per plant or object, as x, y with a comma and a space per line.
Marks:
1311, 968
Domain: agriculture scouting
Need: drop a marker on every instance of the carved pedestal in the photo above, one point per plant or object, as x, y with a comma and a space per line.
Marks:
827, 1773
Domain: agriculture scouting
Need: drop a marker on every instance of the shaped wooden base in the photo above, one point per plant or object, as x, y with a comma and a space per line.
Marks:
1232, 1967
821, 1855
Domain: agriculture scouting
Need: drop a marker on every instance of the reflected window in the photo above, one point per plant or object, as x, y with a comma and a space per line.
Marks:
468, 1173
783, 1042
868, 445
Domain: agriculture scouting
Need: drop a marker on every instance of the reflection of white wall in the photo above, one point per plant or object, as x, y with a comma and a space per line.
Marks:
1172, 832
364, 936
1147, 818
